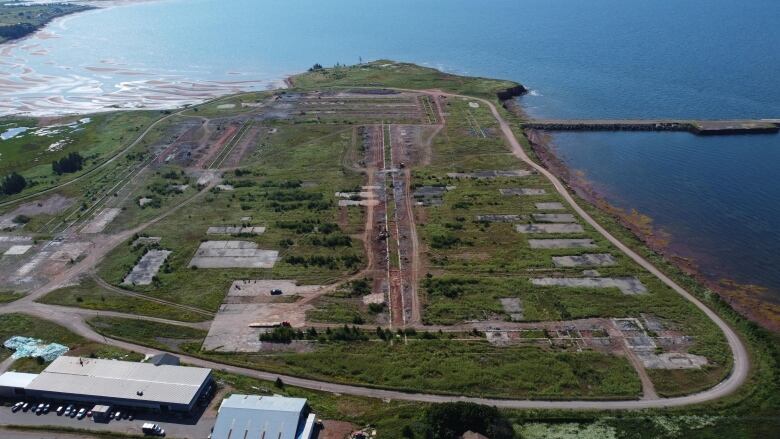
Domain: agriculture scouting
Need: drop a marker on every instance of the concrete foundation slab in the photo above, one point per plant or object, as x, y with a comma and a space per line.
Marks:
234, 230
16, 250
521, 191
145, 270
561, 243
586, 260
225, 187
672, 360
626, 285
490, 174
554, 218
101, 220
233, 254
254, 288
549, 206
374, 298
549, 228
513, 307
502, 218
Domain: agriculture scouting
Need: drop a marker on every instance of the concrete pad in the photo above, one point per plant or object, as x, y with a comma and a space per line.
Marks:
347, 203
561, 243
249, 302
374, 298
225, 187
672, 360
586, 260
69, 251
502, 218
513, 307
146, 268
234, 230
549, 206
626, 285
16, 250
554, 218
521, 191
641, 343
482, 175
101, 220
262, 288
144, 201
233, 254
549, 228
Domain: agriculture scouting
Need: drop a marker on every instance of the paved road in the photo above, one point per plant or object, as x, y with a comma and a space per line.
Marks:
75, 322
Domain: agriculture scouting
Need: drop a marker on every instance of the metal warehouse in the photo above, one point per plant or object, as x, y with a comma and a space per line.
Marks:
270, 417
119, 383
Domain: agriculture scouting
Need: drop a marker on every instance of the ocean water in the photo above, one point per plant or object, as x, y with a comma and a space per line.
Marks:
718, 197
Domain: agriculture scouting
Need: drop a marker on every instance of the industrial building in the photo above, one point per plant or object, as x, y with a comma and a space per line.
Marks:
114, 383
255, 416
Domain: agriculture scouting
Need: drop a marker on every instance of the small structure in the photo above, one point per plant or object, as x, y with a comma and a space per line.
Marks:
101, 413
256, 416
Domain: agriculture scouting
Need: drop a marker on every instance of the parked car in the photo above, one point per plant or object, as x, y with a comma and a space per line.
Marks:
73, 413
70, 409
26, 406
39, 409
276, 292
89, 413
150, 429
60, 410
46, 408
125, 415
82, 413
118, 415
16, 407
130, 417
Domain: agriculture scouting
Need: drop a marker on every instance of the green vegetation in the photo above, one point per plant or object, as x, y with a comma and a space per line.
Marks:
89, 295
69, 164
384, 73
28, 326
20, 20
13, 183
154, 334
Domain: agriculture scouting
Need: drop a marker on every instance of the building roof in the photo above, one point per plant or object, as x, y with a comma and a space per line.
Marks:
16, 379
253, 416
121, 379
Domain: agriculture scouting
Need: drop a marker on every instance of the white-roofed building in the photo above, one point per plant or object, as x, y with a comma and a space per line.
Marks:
119, 383
11, 382
270, 417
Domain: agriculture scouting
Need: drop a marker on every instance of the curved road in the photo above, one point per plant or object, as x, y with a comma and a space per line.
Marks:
75, 321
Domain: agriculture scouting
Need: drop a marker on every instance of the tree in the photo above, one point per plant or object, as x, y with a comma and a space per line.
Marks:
73, 162
279, 383
13, 183
315, 67
451, 420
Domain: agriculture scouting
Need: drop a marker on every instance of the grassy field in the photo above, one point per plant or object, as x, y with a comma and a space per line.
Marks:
89, 295
385, 73
288, 189
32, 152
158, 335
17, 20
28, 326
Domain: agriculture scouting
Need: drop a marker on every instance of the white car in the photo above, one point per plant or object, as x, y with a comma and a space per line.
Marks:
60, 410
82, 413
118, 416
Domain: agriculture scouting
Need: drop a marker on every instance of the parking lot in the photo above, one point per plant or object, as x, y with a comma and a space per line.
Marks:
195, 427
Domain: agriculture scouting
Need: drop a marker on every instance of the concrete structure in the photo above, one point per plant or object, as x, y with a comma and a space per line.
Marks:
270, 417
115, 383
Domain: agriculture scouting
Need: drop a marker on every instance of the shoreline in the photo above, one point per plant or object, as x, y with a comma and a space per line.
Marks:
747, 300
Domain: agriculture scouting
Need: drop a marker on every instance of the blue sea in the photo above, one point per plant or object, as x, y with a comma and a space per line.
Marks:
719, 198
